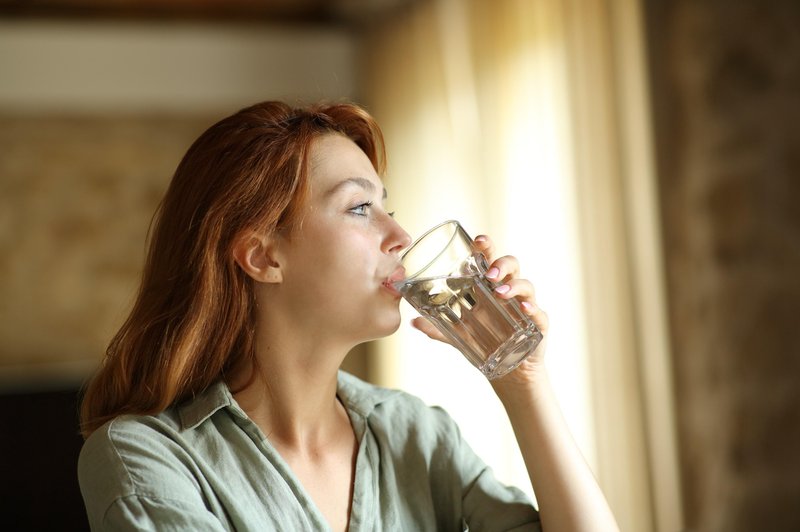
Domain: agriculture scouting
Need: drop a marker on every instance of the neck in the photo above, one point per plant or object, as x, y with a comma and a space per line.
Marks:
292, 396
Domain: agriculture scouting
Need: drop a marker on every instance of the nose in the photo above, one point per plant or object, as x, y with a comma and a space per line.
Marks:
396, 238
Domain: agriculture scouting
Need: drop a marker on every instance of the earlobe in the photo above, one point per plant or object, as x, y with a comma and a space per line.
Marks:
255, 256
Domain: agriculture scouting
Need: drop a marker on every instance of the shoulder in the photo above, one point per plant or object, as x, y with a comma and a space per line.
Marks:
396, 412
121, 458
141, 472
131, 449
124, 434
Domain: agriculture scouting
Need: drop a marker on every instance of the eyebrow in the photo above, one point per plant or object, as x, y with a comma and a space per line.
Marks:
362, 182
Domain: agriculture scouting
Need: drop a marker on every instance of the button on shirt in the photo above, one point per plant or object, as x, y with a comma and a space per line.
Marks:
204, 465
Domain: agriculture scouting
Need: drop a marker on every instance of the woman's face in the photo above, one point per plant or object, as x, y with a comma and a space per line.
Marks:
340, 260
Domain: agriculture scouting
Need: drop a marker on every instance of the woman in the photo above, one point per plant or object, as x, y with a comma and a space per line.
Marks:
220, 406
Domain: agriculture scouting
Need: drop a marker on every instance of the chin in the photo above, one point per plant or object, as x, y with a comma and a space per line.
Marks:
391, 328
386, 326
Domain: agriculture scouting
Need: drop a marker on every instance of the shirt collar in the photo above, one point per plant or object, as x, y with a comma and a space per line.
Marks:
360, 396
194, 411
356, 395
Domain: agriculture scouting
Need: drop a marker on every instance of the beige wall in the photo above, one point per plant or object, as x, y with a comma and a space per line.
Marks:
94, 117
173, 67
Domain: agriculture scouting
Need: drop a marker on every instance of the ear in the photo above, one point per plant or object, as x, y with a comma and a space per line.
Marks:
255, 254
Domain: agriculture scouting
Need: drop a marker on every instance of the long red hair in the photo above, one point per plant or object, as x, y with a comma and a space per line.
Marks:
193, 318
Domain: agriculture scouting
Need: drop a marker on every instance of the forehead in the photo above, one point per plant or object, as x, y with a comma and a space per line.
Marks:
335, 158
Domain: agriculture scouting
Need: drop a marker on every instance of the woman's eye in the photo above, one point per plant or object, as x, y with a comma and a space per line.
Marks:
361, 209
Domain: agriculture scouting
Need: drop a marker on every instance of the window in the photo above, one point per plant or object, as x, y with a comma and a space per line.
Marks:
527, 120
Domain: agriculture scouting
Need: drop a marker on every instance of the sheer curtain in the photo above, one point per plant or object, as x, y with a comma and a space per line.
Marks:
526, 120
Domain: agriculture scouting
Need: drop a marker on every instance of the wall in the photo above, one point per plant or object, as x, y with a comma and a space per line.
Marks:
92, 66
726, 78
94, 117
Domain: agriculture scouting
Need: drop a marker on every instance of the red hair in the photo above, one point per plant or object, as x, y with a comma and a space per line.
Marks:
193, 318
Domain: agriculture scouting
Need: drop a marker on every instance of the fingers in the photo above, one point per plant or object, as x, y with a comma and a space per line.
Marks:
520, 289
505, 272
523, 291
537, 315
499, 269
485, 245
424, 325
503, 268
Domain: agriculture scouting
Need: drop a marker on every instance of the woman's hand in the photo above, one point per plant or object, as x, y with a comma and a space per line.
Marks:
505, 272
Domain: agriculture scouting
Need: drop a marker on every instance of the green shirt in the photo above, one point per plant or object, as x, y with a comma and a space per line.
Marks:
204, 465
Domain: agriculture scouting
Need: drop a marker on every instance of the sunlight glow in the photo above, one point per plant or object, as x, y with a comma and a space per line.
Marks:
531, 213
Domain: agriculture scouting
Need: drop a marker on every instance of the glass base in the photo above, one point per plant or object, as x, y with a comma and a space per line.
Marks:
511, 354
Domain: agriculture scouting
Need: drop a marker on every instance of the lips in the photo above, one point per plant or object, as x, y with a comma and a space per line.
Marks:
398, 275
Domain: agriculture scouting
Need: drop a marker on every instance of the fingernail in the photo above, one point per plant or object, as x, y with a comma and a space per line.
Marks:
526, 305
480, 238
502, 289
493, 273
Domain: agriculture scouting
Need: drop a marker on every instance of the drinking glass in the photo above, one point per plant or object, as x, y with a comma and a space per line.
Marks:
446, 282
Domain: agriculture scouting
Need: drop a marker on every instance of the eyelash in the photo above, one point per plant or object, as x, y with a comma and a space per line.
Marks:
359, 210
363, 206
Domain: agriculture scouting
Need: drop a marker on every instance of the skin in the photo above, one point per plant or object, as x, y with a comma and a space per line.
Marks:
310, 317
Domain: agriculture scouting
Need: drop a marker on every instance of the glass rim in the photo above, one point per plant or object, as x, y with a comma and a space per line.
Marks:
456, 228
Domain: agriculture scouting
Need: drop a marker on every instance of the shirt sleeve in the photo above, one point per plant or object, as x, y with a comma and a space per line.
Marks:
134, 512
488, 505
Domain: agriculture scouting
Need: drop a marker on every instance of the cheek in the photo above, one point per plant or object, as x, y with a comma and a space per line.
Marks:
352, 257
333, 268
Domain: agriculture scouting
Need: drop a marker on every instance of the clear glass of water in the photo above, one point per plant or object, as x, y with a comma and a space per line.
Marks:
446, 282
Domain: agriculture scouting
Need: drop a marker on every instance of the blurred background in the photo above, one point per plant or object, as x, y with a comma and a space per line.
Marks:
640, 157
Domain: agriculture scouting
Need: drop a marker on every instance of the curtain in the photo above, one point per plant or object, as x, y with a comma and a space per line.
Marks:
527, 120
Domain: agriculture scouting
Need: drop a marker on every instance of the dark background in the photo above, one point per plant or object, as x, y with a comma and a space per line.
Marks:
39, 450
